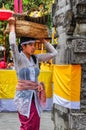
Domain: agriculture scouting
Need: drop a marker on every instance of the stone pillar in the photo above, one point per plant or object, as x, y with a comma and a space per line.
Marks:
69, 18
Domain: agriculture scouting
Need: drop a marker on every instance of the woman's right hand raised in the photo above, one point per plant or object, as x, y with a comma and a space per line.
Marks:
11, 22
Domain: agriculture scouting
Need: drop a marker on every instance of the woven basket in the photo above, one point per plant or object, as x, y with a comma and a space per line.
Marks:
30, 29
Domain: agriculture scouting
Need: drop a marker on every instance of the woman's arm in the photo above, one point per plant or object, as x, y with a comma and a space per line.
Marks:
12, 40
29, 85
51, 52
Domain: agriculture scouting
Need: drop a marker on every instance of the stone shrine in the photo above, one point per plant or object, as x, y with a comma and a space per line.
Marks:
69, 18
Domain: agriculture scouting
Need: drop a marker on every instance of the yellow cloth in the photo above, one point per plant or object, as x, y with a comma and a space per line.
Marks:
46, 77
67, 82
8, 81
66, 78
40, 51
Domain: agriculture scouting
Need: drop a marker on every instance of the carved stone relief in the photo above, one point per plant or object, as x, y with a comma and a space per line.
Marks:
79, 8
75, 51
78, 121
69, 22
79, 45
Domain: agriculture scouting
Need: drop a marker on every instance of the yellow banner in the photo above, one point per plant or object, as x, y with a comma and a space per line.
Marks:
8, 82
46, 76
67, 81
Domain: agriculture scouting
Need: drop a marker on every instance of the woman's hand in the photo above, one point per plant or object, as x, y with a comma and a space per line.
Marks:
40, 86
12, 21
26, 85
43, 41
41, 93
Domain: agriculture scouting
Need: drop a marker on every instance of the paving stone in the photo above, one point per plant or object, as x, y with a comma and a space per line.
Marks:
9, 121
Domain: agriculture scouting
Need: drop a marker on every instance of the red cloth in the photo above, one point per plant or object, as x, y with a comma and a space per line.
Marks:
2, 65
31, 123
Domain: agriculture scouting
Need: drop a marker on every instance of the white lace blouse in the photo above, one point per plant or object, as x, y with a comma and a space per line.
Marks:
28, 70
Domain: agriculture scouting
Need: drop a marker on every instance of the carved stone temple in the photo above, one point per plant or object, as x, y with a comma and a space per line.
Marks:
69, 18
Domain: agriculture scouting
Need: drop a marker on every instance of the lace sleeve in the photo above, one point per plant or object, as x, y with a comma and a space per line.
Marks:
14, 48
51, 53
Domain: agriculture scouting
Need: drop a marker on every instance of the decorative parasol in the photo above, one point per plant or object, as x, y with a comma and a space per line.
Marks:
5, 14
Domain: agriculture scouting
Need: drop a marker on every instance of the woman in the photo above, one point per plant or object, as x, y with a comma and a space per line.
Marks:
28, 88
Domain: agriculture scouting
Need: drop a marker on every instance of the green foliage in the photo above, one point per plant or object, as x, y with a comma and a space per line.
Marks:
8, 4
27, 4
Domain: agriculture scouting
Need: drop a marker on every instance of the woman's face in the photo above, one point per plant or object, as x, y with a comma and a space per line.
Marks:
29, 49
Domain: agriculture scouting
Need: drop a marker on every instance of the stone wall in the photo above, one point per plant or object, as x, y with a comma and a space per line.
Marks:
69, 18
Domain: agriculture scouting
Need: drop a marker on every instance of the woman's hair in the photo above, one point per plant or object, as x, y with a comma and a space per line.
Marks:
23, 40
26, 39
